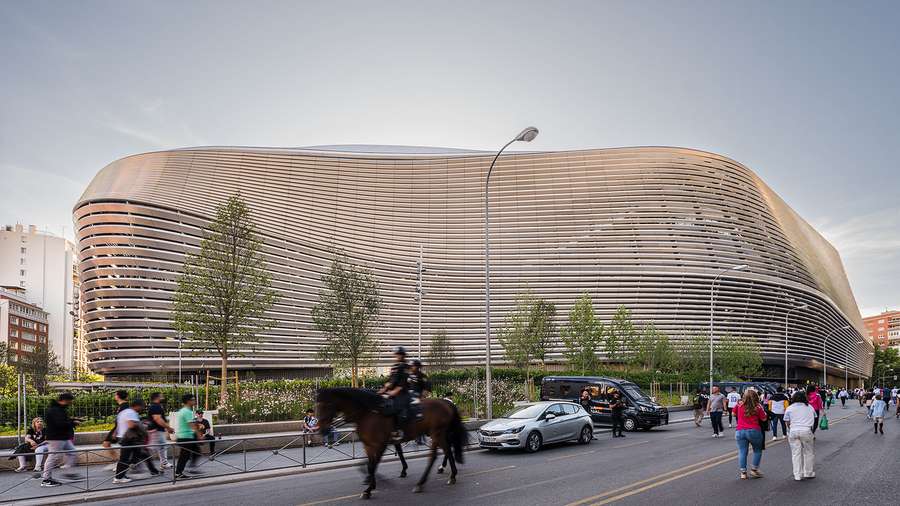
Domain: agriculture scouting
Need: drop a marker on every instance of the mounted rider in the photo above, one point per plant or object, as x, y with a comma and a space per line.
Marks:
396, 390
419, 385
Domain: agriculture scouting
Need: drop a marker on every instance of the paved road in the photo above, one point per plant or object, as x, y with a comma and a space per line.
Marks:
679, 464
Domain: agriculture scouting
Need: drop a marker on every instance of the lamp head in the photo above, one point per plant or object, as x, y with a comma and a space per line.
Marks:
527, 135
740, 267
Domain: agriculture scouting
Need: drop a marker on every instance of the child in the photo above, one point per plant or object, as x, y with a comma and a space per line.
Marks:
878, 409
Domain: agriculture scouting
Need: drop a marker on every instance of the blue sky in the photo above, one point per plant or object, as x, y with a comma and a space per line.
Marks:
806, 93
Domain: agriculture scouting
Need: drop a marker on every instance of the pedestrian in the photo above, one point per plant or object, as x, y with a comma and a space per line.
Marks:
714, 408
750, 417
36, 443
205, 433
186, 435
777, 405
617, 406
733, 398
878, 409
829, 398
842, 395
801, 418
700, 400
158, 427
132, 435
121, 398
60, 434
815, 401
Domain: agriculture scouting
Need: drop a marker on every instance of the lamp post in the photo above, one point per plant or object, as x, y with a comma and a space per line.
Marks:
420, 292
712, 307
824, 362
180, 340
786, 319
526, 135
847, 366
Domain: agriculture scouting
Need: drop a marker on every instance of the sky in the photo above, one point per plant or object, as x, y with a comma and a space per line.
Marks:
806, 93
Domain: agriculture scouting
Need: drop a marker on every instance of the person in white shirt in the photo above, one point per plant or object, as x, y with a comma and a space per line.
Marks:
733, 398
800, 417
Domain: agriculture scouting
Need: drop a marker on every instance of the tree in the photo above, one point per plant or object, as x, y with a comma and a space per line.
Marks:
621, 336
526, 332
582, 336
9, 381
4, 354
440, 354
885, 363
654, 351
347, 313
737, 357
39, 366
696, 355
224, 291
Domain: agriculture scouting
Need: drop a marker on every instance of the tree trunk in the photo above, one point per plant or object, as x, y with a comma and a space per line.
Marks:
354, 372
223, 385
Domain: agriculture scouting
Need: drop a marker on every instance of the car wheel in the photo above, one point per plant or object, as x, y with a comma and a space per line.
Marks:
586, 435
534, 442
630, 424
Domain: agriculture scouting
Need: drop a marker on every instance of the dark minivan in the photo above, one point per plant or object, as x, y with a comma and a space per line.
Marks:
642, 412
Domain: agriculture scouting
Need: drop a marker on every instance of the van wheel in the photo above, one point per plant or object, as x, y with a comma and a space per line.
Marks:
534, 442
630, 424
587, 434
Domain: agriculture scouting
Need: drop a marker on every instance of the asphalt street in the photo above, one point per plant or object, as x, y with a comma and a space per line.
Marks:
678, 464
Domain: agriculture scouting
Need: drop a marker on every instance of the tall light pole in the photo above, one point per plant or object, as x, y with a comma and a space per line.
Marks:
712, 306
847, 366
824, 363
786, 318
420, 292
526, 135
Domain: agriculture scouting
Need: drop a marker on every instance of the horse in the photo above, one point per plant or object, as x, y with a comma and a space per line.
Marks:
440, 420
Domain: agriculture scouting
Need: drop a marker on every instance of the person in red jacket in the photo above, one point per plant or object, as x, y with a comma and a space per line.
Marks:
750, 419
815, 402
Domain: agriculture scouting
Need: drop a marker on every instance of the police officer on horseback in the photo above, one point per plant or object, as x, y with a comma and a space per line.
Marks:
396, 390
419, 386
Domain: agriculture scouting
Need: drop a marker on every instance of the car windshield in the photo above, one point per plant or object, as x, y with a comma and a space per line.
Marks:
529, 411
635, 392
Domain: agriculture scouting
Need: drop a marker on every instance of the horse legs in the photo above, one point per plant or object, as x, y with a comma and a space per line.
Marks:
399, 450
443, 464
448, 453
372, 465
431, 458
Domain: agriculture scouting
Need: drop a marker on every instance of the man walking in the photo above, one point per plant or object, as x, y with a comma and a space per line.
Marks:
700, 400
60, 433
733, 399
714, 408
121, 398
158, 427
777, 406
186, 435
131, 434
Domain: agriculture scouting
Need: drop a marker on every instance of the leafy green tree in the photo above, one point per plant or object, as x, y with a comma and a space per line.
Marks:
347, 313
440, 353
885, 363
9, 381
654, 351
695, 355
224, 291
582, 336
737, 357
621, 336
40, 367
526, 332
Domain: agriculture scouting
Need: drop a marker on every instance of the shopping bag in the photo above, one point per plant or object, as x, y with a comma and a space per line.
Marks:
823, 422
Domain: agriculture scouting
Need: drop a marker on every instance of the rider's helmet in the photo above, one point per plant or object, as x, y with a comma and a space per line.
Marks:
399, 350
416, 362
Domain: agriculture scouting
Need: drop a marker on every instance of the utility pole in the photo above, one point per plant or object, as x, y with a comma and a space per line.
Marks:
420, 292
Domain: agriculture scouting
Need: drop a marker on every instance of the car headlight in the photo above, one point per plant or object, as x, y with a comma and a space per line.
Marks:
645, 409
515, 430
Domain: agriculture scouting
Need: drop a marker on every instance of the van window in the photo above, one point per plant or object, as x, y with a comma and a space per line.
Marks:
565, 390
596, 391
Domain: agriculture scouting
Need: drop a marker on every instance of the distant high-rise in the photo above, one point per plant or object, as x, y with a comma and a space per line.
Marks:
884, 329
41, 264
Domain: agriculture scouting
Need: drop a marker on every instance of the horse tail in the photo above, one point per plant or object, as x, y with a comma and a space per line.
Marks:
457, 435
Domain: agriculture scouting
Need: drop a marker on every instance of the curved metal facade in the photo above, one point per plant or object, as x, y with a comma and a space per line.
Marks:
648, 228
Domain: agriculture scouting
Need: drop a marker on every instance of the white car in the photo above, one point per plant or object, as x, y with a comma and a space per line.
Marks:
530, 426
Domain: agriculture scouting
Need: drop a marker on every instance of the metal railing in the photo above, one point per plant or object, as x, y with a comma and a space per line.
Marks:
233, 455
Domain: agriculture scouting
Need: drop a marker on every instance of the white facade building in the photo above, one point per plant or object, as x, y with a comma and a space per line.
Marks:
42, 264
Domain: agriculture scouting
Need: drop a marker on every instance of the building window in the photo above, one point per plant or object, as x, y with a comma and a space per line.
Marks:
21, 261
22, 249
21, 272
14, 332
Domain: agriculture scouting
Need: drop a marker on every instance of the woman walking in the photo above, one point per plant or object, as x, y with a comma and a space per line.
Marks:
750, 418
815, 402
801, 418
878, 409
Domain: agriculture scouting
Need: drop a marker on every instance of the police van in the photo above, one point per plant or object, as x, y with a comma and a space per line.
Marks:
641, 412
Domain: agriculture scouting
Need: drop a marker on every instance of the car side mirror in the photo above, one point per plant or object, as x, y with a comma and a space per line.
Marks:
549, 416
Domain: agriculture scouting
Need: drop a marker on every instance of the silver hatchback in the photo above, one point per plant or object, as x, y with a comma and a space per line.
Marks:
531, 425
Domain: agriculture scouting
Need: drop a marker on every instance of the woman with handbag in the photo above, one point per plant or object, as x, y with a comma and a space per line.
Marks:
35, 442
750, 418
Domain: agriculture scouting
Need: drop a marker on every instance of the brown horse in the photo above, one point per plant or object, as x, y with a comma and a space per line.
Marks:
440, 420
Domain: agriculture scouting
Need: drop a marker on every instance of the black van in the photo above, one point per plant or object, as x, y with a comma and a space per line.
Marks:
763, 387
642, 412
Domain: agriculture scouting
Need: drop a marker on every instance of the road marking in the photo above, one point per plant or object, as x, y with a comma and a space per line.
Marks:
554, 459
504, 468
662, 479
677, 436
333, 499
630, 445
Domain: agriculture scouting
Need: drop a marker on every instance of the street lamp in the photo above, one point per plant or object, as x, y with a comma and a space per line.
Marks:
847, 366
824, 363
712, 306
526, 135
786, 318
